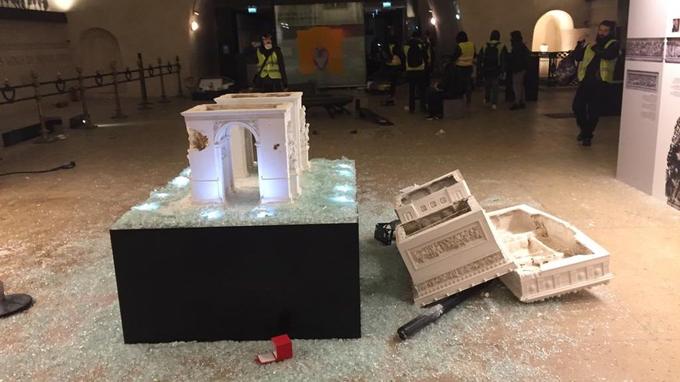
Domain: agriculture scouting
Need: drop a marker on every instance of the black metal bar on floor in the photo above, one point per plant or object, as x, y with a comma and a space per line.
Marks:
13, 303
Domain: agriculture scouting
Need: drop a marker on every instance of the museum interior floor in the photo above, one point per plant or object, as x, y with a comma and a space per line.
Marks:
54, 244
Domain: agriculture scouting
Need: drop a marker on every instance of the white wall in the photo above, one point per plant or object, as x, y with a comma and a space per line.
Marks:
648, 118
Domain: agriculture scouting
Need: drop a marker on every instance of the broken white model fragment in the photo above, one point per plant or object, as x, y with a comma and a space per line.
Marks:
446, 240
552, 256
210, 129
417, 201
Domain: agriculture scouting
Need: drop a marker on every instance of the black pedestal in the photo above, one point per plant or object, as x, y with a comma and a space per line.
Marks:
238, 283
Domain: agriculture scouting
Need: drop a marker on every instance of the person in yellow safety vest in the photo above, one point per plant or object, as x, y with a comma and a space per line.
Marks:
417, 61
464, 57
394, 65
597, 64
271, 69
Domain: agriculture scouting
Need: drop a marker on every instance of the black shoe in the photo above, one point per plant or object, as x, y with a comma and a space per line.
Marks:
433, 117
515, 107
579, 137
587, 142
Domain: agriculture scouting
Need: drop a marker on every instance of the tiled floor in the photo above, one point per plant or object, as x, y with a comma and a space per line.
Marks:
54, 245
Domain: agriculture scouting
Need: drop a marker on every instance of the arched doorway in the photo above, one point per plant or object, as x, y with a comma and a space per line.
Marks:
555, 30
236, 159
98, 48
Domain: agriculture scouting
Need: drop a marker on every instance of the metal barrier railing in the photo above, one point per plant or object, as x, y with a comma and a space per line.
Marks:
554, 59
11, 94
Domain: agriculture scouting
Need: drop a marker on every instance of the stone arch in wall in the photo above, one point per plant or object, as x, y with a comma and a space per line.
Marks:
98, 48
554, 28
233, 145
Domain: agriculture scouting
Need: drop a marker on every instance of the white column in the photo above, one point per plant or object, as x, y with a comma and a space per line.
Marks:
273, 161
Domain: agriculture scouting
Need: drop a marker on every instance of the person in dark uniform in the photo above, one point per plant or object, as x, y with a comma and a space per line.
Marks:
597, 66
417, 61
271, 69
393, 65
453, 85
518, 64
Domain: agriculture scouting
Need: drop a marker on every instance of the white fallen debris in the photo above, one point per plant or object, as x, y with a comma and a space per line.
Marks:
449, 243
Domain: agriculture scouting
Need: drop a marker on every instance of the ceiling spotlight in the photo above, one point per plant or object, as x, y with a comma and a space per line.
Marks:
433, 21
196, 13
194, 25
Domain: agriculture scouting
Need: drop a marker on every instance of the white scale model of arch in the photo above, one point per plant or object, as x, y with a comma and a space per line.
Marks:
299, 134
210, 129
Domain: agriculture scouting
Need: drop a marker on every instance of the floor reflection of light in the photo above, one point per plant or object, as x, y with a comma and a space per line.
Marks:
160, 195
345, 165
180, 181
186, 172
147, 207
343, 188
212, 214
263, 212
346, 173
341, 199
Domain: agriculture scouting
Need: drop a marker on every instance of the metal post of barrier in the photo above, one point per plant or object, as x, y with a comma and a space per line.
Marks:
119, 111
179, 77
164, 98
44, 134
87, 120
144, 104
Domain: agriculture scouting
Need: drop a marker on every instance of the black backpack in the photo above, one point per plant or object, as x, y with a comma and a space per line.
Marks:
492, 57
416, 55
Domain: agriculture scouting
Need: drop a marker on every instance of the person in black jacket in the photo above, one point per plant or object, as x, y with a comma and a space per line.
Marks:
518, 63
452, 86
491, 64
416, 64
271, 74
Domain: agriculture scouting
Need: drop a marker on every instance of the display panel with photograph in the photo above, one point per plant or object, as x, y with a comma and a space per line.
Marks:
323, 42
645, 49
673, 51
642, 80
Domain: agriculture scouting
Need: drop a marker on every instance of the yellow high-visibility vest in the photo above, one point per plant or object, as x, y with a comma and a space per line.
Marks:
467, 54
607, 67
421, 66
271, 68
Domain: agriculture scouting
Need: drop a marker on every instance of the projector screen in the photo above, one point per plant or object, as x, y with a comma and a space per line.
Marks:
323, 43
